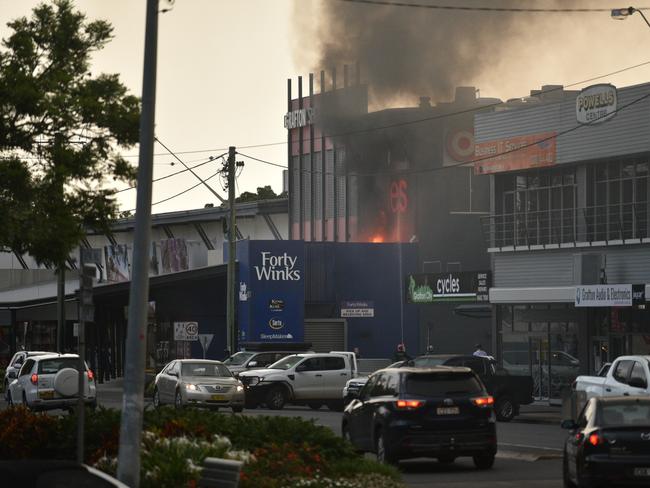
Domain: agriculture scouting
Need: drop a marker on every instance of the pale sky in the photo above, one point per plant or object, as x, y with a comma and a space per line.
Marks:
223, 66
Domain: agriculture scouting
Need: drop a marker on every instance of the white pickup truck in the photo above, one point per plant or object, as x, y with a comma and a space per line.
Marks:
628, 376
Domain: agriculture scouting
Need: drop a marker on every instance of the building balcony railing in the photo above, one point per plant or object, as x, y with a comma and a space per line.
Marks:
552, 228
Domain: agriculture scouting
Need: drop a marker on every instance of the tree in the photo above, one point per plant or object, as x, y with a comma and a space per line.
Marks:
263, 193
60, 131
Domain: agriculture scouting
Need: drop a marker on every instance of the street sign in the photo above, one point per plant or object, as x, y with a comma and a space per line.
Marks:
205, 340
87, 313
186, 331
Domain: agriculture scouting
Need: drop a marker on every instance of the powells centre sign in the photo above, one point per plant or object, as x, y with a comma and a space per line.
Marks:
596, 103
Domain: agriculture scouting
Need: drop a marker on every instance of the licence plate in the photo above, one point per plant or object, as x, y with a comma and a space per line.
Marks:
46, 394
447, 410
642, 472
218, 397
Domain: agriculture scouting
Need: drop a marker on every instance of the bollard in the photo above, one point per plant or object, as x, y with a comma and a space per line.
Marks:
220, 473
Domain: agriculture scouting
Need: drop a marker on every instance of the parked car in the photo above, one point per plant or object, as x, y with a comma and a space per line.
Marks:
509, 392
609, 445
306, 379
200, 383
442, 412
628, 375
51, 381
245, 360
11, 373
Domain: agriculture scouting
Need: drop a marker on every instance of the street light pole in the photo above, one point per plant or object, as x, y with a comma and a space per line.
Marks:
624, 13
128, 461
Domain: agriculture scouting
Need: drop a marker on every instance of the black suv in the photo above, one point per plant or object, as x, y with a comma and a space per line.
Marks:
442, 412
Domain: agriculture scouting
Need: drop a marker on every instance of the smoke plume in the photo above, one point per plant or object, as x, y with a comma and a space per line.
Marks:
408, 52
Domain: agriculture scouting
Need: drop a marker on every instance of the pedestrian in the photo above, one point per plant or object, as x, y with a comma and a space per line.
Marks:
479, 351
400, 353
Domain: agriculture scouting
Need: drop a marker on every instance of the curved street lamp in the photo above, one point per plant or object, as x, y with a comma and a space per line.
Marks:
624, 13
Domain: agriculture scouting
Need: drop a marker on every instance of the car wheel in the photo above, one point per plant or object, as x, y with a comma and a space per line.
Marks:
484, 461
276, 398
384, 454
505, 409
446, 459
336, 406
237, 409
178, 400
565, 474
156, 398
315, 406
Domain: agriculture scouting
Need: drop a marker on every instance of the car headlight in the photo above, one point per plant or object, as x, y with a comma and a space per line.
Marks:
190, 386
240, 388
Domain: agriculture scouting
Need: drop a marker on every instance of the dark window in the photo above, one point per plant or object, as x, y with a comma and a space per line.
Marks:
380, 387
332, 363
625, 414
368, 387
265, 359
205, 369
52, 366
475, 364
392, 387
442, 384
638, 373
313, 364
27, 367
622, 371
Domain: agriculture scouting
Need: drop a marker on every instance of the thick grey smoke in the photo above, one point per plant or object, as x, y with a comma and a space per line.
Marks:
408, 52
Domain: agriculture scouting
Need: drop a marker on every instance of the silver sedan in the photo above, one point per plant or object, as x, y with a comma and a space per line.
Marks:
198, 382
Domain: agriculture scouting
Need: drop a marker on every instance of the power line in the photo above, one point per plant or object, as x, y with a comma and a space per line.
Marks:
437, 116
480, 9
219, 197
473, 161
182, 192
210, 160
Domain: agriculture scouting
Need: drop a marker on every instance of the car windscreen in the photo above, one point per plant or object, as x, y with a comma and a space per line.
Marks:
286, 363
54, 365
238, 359
442, 384
426, 362
624, 414
205, 369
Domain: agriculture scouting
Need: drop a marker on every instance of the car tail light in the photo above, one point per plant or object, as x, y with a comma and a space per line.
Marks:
34, 379
483, 401
90, 374
409, 404
595, 439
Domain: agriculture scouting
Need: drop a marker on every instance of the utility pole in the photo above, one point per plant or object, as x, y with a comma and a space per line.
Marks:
60, 307
128, 460
232, 235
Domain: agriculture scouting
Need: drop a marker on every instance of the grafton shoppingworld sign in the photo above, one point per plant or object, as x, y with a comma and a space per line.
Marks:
596, 104
448, 287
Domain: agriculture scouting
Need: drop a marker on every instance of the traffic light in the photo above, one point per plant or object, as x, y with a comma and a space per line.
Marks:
86, 278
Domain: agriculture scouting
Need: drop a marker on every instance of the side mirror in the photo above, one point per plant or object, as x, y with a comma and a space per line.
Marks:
638, 383
17, 364
252, 364
301, 367
12, 375
569, 424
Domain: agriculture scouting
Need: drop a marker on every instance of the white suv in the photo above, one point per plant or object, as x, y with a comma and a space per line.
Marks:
51, 381
14, 366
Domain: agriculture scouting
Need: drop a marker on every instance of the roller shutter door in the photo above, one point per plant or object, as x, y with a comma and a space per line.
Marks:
326, 335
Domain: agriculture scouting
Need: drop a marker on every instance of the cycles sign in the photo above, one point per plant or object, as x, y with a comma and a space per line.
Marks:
448, 287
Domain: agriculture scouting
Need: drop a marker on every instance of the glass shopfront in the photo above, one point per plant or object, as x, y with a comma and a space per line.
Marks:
617, 332
540, 341
554, 343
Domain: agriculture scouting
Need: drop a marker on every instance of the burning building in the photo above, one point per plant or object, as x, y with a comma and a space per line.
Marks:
398, 175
